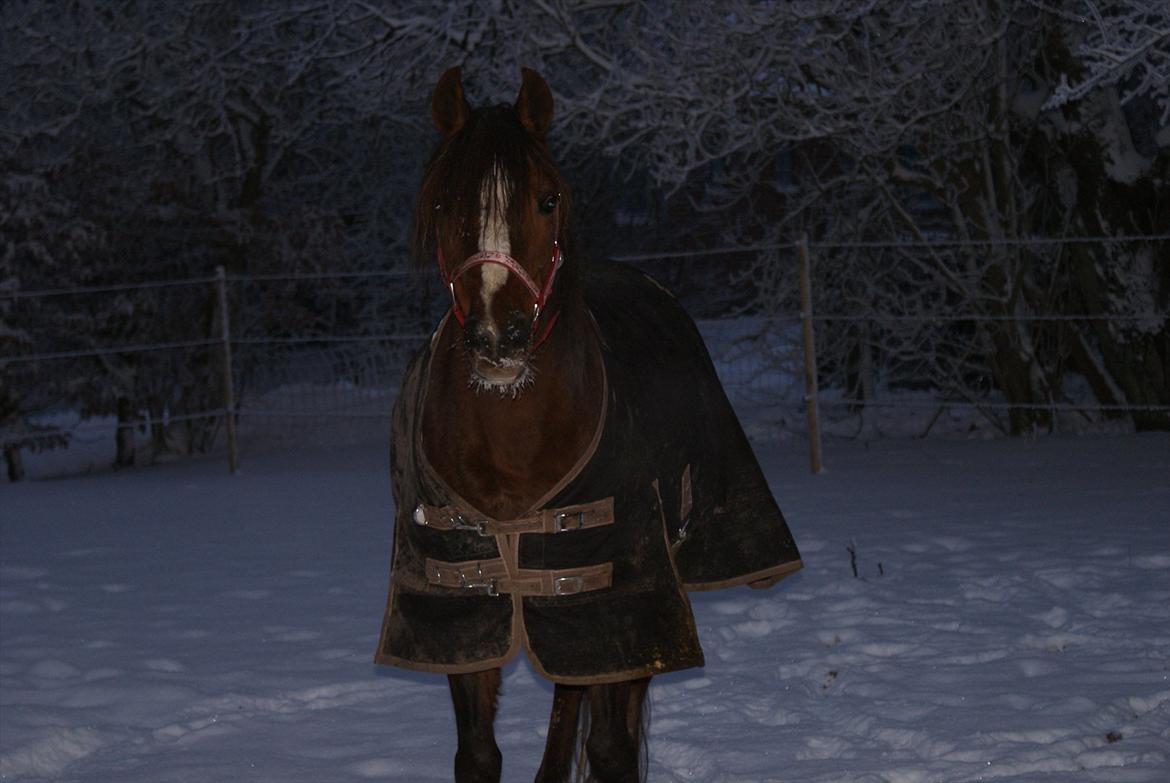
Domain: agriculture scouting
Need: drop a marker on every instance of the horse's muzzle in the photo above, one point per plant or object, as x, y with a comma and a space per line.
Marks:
499, 357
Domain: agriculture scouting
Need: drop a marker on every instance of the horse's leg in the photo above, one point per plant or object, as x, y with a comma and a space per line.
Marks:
475, 696
561, 745
635, 705
615, 730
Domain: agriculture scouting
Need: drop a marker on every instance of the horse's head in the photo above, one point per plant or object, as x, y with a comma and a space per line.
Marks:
491, 209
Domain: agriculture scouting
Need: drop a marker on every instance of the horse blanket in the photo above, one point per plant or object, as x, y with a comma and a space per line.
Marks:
592, 582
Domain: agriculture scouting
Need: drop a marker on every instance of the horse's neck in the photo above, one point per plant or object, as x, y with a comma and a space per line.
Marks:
503, 453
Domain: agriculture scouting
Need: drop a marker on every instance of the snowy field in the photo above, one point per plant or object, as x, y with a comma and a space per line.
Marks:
1010, 621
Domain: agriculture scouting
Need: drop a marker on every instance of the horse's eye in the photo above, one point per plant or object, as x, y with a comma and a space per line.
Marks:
438, 208
548, 204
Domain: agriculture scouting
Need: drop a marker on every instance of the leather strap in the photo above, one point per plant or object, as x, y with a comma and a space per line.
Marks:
551, 520
491, 577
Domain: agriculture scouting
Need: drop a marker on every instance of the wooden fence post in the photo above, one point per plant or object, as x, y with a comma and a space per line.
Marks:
229, 395
810, 357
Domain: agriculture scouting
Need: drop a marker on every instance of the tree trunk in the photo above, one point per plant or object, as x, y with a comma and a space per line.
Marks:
1138, 363
159, 440
15, 462
1013, 375
124, 438
1012, 358
859, 376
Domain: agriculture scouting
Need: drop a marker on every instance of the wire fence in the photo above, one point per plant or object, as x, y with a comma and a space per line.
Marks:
633, 258
156, 366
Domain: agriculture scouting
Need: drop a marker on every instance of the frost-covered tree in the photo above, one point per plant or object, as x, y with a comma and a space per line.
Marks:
1123, 45
998, 166
41, 236
197, 135
916, 121
275, 137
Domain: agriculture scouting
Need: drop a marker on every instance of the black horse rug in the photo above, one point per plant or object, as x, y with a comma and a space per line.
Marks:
591, 583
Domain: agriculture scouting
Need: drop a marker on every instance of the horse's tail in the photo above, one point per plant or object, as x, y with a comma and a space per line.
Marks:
639, 728
581, 757
644, 737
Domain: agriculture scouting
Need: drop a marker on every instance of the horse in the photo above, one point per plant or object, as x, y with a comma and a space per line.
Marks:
565, 465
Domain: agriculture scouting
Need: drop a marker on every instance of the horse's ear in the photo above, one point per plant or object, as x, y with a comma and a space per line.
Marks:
449, 107
535, 103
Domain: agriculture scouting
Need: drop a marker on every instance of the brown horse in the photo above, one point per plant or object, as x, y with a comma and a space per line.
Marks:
506, 438
546, 499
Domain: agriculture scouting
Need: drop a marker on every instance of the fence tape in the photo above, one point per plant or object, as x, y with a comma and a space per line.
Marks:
734, 250
14, 295
959, 317
357, 338
887, 245
123, 349
193, 281
835, 403
1006, 406
293, 276
880, 317
383, 338
106, 289
89, 426
278, 413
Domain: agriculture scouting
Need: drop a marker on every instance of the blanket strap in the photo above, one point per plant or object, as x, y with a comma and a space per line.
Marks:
491, 576
550, 520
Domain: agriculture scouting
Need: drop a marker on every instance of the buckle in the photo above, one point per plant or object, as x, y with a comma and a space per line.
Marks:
559, 525
568, 585
459, 522
489, 585
480, 581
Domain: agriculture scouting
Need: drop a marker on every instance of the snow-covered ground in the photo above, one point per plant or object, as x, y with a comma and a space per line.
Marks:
1010, 621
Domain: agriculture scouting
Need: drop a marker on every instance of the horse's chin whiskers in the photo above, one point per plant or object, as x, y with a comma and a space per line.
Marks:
513, 388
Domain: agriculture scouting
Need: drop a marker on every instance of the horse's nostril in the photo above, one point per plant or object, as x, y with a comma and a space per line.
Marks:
475, 336
516, 332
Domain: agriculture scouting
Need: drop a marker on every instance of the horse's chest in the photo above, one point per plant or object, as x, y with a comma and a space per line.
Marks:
502, 455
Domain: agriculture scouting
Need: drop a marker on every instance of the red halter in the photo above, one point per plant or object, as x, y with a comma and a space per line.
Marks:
540, 293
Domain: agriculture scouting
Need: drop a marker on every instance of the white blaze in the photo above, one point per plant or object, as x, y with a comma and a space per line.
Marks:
493, 237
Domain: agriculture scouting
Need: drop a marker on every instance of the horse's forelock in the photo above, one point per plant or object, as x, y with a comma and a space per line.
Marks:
492, 143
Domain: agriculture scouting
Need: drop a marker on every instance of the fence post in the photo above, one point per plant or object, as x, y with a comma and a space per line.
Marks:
810, 357
229, 396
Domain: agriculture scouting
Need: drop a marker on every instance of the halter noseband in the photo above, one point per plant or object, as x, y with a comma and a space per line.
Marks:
540, 293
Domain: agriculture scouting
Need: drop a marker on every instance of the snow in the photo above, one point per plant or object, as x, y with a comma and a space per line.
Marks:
1010, 622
